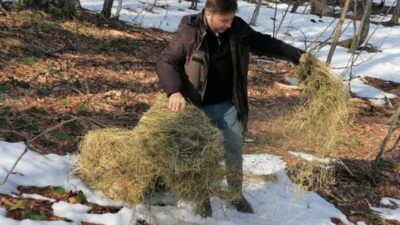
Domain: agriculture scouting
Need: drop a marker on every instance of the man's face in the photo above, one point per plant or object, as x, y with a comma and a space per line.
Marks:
219, 22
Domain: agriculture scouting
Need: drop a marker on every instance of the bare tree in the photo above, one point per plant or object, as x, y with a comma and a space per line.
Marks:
396, 14
321, 8
194, 4
296, 5
283, 18
337, 32
107, 6
392, 128
274, 23
253, 20
119, 8
362, 32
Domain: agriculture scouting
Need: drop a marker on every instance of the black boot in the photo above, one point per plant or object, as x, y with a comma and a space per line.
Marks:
204, 208
242, 205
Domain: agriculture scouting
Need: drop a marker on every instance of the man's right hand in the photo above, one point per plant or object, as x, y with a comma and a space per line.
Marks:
176, 102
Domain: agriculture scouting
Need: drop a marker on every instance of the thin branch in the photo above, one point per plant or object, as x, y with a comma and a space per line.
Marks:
283, 18
346, 68
304, 35
275, 12
14, 132
392, 127
344, 165
13, 167
323, 43
28, 145
337, 32
395, 143
29, 142
119, 8
3, 10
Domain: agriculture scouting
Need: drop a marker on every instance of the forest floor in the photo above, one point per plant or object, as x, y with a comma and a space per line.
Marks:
98, 73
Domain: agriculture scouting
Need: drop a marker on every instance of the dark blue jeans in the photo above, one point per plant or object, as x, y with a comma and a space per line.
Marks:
225, 116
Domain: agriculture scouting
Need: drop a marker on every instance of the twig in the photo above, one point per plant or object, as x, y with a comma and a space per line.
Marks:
389, 133
97, 123
337, 32
344, 165
275, 12
14, 132
29, 143
395, 144
353, 59
13, 167
3, 10
283, 18
304, 35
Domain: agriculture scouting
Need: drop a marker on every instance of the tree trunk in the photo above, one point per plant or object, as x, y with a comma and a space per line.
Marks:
361, 35
338, 30
119, 8
396, 14
193, 5
253, 20
107, 6
363, 30
296, 5
321, 8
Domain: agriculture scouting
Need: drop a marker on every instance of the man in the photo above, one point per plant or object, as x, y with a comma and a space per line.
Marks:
206, 64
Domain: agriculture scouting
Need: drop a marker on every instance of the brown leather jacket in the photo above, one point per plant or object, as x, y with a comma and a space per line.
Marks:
183, 65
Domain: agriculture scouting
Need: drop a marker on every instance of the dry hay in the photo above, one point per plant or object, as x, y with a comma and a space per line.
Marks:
109, 162
188, 148
317, 123
310, 175
316, 126
182, 149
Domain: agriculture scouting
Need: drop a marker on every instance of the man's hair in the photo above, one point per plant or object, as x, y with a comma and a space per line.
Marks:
221, 6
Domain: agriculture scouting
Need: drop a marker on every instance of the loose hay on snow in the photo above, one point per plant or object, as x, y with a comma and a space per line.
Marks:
182, 149
310, 175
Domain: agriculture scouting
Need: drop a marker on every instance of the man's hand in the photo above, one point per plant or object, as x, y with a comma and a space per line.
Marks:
176, 102
303, 58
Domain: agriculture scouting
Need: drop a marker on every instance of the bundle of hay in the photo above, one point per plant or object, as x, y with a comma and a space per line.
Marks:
324, 111
182, 149
108, 161
186, 146
317, 125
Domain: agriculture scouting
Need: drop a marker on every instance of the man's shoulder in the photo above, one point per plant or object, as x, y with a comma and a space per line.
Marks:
193, 20
239, 25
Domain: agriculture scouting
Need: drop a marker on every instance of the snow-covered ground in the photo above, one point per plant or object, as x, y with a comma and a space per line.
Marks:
276, 200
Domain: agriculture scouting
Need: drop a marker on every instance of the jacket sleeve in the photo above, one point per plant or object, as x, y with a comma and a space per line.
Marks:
170, 63
264, 44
